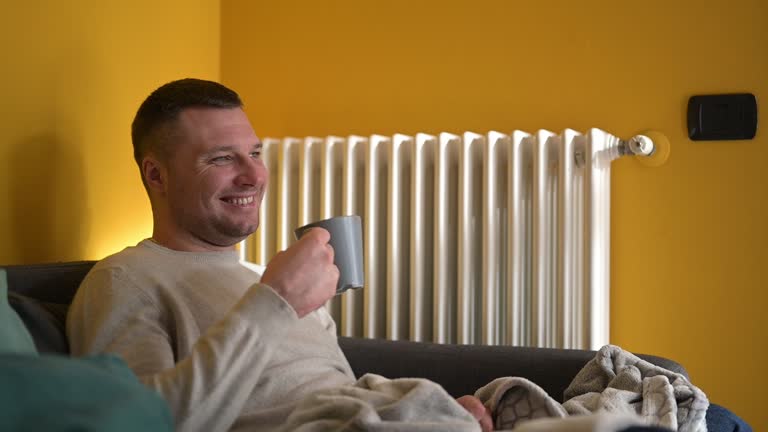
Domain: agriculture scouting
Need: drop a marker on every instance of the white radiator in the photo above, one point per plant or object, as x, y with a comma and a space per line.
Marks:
471, 239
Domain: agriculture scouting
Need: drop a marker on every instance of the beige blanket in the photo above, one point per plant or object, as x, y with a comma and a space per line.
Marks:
376, 403
613, 391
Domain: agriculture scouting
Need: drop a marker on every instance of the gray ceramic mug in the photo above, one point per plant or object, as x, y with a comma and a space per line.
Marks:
347, 242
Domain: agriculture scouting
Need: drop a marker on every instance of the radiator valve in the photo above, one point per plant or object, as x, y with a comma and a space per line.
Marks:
639, 145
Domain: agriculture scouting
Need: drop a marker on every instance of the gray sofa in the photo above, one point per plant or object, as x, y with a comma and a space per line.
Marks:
41, 293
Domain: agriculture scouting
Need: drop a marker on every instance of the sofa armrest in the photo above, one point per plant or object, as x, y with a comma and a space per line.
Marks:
462, 369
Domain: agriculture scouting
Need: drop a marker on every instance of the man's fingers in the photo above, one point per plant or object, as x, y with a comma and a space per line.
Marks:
486, 423
321, 235
331, 252
473, 405
304, 274
479, 411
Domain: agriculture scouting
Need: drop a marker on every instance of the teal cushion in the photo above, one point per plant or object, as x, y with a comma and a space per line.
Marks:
59, 393
14, 337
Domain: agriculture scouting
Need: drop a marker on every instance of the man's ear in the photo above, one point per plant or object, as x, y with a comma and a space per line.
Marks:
155, 174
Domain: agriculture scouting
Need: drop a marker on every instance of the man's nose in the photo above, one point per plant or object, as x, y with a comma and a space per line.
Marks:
252, 172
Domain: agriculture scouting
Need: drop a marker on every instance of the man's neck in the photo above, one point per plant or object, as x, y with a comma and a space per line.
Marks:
183, 244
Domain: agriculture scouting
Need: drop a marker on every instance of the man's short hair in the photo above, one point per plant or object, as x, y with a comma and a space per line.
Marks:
163, 107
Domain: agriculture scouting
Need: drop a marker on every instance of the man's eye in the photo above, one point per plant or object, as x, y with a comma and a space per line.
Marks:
256, 154
221, 159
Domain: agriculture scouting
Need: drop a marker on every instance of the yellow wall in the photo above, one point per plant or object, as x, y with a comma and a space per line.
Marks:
689, 241
72, 76
689, 238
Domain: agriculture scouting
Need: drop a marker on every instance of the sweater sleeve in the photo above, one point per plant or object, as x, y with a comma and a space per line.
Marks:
207, 389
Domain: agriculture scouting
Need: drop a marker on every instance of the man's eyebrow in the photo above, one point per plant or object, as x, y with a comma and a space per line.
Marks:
220, 149
229, 148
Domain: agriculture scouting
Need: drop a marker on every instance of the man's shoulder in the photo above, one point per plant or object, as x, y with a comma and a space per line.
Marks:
134, 265
128, 257
116, 279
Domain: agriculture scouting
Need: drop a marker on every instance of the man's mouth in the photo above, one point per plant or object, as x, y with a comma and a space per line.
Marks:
240, 201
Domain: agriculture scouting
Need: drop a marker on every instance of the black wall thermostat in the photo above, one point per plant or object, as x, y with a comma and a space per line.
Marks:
722, 117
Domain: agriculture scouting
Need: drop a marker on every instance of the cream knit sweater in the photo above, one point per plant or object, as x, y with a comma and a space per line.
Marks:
226, 352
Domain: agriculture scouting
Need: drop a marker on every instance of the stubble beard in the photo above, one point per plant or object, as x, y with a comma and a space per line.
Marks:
232, 234
226, 233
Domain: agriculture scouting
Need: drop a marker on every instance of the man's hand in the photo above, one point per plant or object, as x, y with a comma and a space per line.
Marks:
304, 274
478, 410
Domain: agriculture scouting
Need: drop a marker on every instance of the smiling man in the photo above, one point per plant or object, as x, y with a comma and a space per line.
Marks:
187, 317
227, 348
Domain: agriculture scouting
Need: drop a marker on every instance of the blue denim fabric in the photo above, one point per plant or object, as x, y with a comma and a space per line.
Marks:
719, 419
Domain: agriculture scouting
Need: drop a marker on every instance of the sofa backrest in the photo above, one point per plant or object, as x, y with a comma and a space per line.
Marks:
40, 294
53, 283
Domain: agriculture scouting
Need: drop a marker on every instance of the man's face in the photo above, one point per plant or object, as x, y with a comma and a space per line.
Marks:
215, 177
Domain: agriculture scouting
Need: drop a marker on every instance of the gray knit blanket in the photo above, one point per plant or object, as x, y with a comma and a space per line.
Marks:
615, 381
614, 390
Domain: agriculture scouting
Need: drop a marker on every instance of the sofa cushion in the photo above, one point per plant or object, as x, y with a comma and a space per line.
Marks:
45, 321
59, 393
14, 336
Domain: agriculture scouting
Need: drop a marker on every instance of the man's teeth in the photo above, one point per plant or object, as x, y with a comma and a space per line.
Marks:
240, 201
